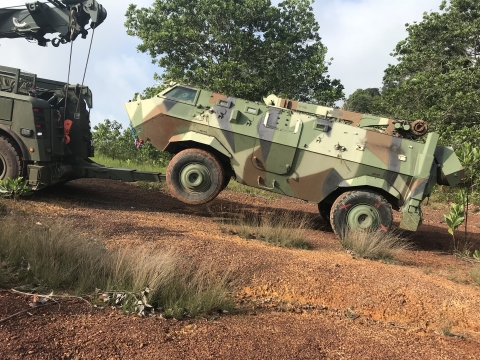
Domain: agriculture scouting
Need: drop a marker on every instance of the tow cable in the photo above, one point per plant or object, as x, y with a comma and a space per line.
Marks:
67, 124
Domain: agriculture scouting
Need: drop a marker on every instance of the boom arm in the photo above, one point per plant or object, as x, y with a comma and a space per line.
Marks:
68, 18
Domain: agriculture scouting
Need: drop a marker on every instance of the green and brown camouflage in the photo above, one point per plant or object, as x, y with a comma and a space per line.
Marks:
301, 150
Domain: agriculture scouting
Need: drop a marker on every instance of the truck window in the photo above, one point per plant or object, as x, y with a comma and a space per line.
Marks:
182, 94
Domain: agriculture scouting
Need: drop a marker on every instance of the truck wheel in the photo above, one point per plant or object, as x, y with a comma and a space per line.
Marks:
324, 210
360, 210
195, 176
10, 161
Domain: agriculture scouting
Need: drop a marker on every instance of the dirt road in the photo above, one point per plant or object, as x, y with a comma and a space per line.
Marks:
305, 304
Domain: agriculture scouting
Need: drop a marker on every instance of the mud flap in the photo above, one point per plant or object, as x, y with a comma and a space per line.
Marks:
411, 216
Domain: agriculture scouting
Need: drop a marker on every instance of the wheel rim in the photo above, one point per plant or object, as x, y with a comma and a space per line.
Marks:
363, 217
3, 167
195, 178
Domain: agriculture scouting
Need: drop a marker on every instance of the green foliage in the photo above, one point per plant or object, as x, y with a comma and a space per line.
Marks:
454, 219
365, 101
243, 48
438, 72
14, 188
476, 255
466, 142
112, 141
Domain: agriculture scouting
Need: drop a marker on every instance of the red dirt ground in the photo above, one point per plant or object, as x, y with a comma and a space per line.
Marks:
300, 302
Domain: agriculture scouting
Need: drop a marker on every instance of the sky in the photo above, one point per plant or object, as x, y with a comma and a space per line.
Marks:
359, 34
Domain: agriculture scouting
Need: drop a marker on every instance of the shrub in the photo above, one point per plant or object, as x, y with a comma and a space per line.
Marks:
56, 258
374, 245
14, 188
114, 142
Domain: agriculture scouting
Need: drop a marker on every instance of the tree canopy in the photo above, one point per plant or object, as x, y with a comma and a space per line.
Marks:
244, 48
437, 77
366, 101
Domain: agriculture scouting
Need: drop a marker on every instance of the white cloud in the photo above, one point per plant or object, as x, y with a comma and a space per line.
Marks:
360, 35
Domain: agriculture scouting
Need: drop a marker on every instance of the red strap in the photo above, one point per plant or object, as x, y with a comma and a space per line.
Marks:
67, 125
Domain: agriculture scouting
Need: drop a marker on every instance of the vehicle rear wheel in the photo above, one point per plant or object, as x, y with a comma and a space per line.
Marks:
195, 176
10, 161
360, 210
324, 210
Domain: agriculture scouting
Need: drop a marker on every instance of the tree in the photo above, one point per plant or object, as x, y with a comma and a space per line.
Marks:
437, 77
105, 137
365, 101
111, 140
244, 48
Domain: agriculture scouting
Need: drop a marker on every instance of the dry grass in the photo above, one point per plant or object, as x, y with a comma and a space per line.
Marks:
57, 258
244, 189
446, 327
280, 228
475, 274
375, 245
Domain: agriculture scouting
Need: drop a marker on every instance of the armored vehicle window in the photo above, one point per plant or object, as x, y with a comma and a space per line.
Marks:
182, 94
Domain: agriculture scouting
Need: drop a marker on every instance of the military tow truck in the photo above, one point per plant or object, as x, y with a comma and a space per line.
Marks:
45, 133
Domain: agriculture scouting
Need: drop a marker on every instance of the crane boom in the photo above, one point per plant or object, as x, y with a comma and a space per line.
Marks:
67, 18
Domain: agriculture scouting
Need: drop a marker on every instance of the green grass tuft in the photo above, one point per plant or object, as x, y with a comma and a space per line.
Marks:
374, 245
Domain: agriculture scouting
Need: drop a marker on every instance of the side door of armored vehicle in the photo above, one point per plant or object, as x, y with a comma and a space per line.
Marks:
277, 141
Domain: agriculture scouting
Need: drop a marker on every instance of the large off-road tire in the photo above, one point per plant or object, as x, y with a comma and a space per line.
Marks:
195, 176
10, 160
324, 210
360, 210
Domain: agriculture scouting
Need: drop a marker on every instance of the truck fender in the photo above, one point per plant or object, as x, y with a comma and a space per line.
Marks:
371, 181
18, 140
201, 139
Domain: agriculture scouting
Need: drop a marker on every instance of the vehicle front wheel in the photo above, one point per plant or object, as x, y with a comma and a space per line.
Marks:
10, 161
195, 176
360, 210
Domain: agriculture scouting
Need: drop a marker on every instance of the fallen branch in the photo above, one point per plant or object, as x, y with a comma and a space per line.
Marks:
52, 297
24, 311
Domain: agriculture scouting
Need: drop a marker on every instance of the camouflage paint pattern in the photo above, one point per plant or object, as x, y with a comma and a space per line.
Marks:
307, 154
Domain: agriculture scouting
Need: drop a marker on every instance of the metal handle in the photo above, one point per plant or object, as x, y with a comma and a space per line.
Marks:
265, 187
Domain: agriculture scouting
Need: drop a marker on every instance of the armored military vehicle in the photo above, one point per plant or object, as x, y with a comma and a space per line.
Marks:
357, 167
